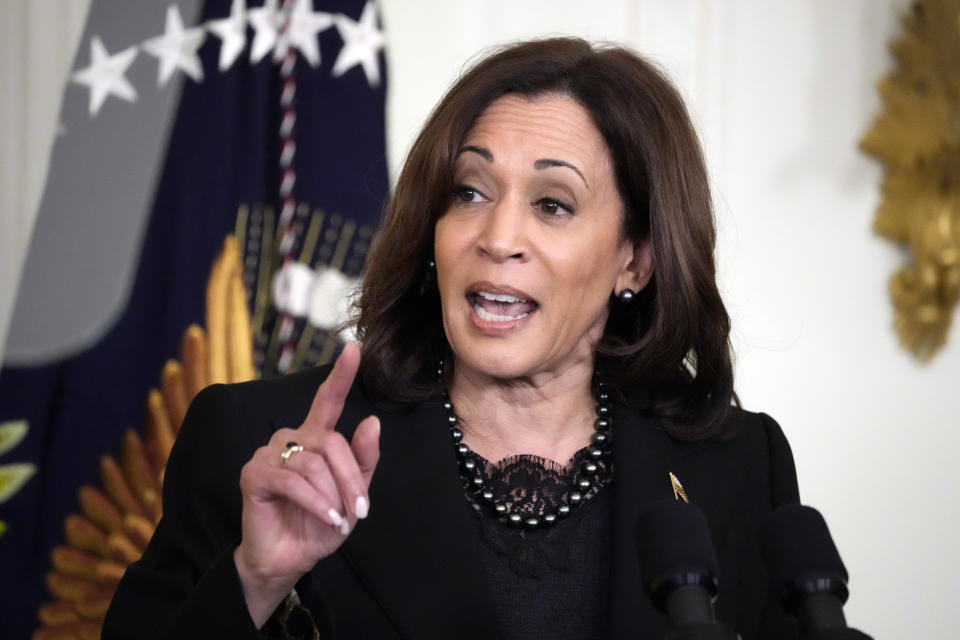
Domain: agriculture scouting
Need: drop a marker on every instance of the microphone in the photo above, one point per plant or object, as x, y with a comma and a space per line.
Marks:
806, 569
678, 568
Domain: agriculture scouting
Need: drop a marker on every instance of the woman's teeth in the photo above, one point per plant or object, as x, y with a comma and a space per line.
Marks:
499, 297
492, 317
501, 307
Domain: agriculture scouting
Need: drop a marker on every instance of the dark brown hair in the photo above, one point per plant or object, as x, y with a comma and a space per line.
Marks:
669, 349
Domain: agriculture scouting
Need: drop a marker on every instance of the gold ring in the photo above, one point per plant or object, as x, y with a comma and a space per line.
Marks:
289, 450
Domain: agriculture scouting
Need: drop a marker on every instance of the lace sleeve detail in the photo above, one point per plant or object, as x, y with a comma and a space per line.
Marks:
291, 621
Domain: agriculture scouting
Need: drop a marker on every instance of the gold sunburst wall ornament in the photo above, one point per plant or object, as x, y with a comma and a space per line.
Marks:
117, 519
917, 138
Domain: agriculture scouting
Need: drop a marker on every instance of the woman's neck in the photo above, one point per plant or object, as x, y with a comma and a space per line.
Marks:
550, 416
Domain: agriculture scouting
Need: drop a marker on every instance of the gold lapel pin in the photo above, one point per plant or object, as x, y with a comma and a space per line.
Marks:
678, 491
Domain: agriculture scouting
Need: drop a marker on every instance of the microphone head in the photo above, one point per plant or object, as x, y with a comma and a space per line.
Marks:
801, 556
675, 550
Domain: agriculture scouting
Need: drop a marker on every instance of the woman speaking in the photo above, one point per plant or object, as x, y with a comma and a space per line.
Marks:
543, 355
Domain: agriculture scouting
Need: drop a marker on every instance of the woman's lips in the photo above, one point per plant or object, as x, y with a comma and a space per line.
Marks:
498, 304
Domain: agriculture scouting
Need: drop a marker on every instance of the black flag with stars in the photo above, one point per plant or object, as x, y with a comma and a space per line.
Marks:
182, 123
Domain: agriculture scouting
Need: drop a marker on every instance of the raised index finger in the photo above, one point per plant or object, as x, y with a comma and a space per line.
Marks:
328, 403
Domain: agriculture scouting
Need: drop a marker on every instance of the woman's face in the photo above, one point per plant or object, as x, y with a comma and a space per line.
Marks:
531, 247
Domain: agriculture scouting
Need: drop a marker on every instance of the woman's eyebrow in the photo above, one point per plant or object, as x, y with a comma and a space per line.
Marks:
546, 163
543, 163
483, 153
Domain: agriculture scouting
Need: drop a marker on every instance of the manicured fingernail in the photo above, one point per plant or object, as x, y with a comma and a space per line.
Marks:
344, 528
335, 518
362, 508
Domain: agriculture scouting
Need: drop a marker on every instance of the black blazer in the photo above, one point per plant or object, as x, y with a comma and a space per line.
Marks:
410, 570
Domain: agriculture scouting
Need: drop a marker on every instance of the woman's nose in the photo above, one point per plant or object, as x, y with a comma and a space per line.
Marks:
503, 236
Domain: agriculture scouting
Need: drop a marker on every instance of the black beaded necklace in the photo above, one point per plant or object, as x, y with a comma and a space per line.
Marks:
580, 479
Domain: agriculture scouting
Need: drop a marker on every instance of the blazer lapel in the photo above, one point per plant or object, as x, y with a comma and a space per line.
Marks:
426, 575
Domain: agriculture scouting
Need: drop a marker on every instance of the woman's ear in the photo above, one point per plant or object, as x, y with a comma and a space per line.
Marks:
639, 268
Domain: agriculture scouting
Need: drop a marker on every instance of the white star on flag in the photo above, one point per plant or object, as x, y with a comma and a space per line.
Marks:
266, 22
105, 76
232, 31
302, 32
176, 48
362, 40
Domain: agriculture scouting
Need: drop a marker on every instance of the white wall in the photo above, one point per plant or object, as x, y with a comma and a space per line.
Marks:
781, 91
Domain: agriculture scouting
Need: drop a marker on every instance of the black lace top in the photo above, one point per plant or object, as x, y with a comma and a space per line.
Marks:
551, 582
545, 583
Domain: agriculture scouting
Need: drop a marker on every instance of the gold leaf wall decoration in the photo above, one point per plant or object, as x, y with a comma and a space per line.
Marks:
917, 138
11, 433
13, 476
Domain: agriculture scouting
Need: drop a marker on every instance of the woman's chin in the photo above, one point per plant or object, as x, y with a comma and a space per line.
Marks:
499, 363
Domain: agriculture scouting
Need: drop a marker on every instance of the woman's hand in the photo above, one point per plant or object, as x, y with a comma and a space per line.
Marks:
299, 510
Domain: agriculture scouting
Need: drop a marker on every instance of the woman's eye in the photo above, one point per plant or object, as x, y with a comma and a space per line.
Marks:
553, 207
463, 193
